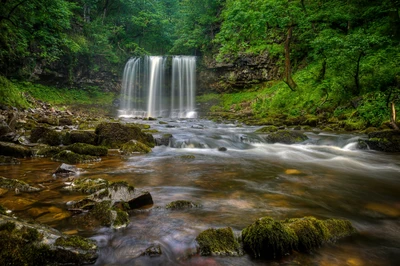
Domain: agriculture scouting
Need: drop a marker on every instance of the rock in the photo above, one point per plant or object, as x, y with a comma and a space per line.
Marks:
66, 170
3, 192
49, 120
286, 137
218, 242
113, 135
198, 126
65, 121
33, 244
134, 146
153, 251
4, 128
267, 129
46, 136
182, 204
163, 140
71, 157
80, 136
13, 184
87, 149
109, 215
387, 141
15, 150
270, 239
47, 151
87, 185
7, 160
222, 149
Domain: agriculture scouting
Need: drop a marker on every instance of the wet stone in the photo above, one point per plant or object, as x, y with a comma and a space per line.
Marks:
66, 170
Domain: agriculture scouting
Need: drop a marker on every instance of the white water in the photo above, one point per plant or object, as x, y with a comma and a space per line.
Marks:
147, 91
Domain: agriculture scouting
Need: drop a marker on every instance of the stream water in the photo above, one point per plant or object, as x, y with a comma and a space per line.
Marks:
325, 177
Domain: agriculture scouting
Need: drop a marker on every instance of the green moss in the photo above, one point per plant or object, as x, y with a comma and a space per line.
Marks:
122, 218
73, 158
119, 184
181, 204
267, 238
188, 157
48, 151
133, 146
75, 242
3, 211
286, 136
89, 185
47, 136
150, 131
80, 136
218, 242
87, 149
10, 183
102, 212
4, 160
338, 228
268, 129
8, 226
14, 150
10, 95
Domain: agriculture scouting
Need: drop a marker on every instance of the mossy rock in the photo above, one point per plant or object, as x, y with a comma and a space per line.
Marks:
352, 125
268, 129
33, 244
88, 149
47, 136
187, 157
286, 137
8, 160
16, 184
14, 150
74, 158
49, 120
87, 185
268, 238
3, 210
387, 141
311, 121
134, 146
220, 242
181, 204
114, 135
80, 136
47, 151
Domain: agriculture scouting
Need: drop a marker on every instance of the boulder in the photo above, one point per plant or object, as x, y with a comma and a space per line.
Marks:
153, 251
219, 242
15, 150
268, 129
71, 157
80, 136
17, 185
163, 140
182, 204
87, 185
66, 170
134, 146
113, 135
44, 150
46, 136
88, 149
270, 239
7, 160
387, 141
286, 137
25, 243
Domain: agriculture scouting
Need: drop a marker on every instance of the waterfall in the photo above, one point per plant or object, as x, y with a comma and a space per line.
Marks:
183, 87
148, 92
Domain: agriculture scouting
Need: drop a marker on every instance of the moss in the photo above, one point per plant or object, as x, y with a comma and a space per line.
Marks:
268, 129
188, 157
73, 158
218, 242
119, 184
122, 218
3, 211
134, 147
75, 242
102, 212
181, 204
14, 150
150, 131
286, 137
8, 226
46, 136
80, 136
267, 238
113, 135
89, 185
48, 151
87, 149
10, 183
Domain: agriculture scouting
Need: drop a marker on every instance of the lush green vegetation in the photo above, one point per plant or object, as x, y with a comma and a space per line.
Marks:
338, 57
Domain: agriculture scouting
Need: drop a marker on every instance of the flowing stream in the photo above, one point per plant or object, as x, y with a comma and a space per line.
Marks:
325, 177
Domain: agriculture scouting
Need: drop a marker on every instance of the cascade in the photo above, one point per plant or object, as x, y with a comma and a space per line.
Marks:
148, 92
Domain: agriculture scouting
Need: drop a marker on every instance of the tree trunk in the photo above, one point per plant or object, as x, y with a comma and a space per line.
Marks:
288, 67
357, 74
393, 116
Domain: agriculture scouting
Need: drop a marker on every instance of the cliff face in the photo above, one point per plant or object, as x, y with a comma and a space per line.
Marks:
245, 71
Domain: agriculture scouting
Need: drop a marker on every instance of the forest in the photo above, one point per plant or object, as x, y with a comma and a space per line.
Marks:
339, 57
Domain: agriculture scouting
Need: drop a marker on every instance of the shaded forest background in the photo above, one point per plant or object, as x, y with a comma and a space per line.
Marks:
338, 58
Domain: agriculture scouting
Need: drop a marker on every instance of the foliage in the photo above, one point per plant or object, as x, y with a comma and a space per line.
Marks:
10, 95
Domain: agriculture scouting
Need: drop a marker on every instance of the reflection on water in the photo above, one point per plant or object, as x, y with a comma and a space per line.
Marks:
324, 177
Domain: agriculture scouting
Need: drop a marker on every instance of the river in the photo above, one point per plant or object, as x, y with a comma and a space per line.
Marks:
325, 177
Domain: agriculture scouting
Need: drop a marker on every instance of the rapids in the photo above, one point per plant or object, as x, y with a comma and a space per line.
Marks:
326, 177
